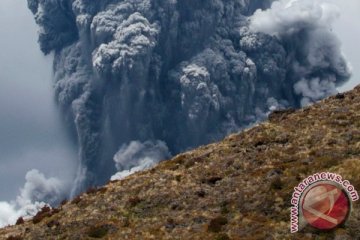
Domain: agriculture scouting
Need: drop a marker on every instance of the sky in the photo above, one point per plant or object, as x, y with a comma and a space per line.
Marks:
348, 29
31, 134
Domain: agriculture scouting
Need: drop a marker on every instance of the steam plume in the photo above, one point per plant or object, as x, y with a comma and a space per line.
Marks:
137, 156
37, 192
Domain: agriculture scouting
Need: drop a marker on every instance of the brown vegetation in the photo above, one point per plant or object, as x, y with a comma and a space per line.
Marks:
239, 188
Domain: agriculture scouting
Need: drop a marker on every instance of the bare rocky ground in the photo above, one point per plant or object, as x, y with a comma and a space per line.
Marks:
239, 188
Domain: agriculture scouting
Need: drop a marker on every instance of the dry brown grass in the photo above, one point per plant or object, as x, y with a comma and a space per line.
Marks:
239, 188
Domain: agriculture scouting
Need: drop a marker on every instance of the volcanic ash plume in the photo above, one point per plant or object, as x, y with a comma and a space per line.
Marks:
305, 27
184, 72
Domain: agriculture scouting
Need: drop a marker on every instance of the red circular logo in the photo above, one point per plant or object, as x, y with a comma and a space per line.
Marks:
325, 206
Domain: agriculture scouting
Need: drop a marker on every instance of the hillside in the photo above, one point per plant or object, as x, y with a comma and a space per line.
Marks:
239, 188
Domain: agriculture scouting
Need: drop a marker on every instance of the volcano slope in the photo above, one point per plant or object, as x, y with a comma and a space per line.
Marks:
239, 188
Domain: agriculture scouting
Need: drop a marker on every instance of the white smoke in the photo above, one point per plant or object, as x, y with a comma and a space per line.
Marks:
137, 156
315, 18
315, 89
37, 192
311, 20
286, 17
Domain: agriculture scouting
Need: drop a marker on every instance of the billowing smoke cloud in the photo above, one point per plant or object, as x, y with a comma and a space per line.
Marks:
137, 156
37, 192
311, 22
38, 188
287, 17
315, 89
185, 72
